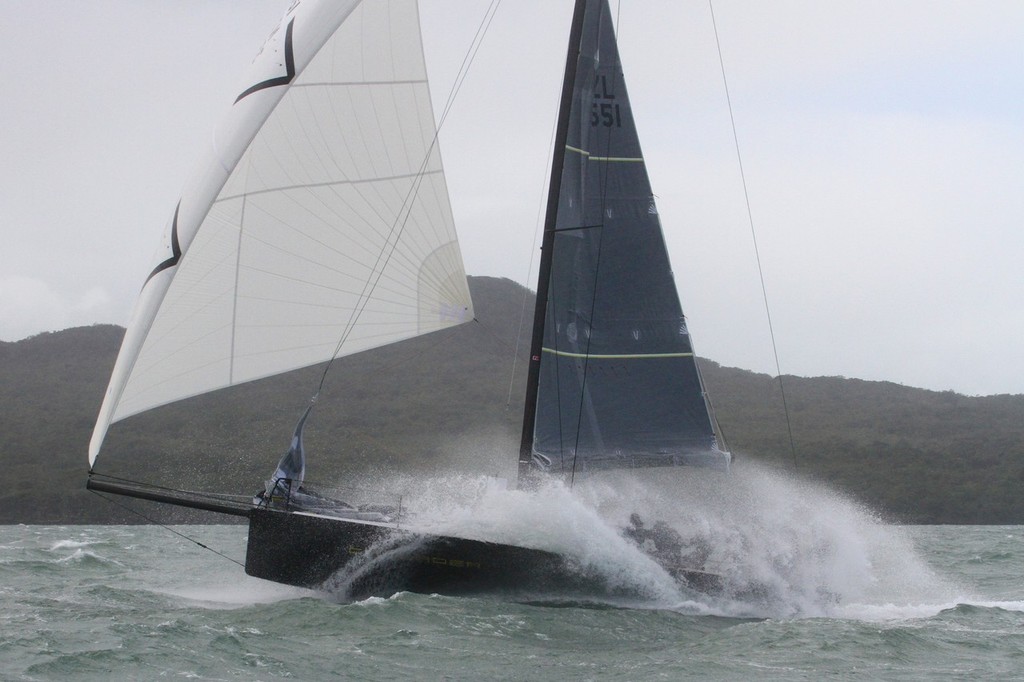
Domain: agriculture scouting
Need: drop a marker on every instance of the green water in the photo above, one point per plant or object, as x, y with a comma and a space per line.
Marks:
117, 602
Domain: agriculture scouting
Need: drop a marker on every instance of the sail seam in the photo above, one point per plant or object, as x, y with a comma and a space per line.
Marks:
235, 296
332, 183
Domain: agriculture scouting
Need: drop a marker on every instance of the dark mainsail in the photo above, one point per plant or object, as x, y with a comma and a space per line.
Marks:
615, 383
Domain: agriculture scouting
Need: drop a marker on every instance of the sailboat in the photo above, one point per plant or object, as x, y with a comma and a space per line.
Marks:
318, 226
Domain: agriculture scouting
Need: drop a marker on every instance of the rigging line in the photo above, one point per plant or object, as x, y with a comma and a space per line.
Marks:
406, 207
605, 170
470, 56
506, 347
391, 240
386, 254
165, 527
464, 67
753, 234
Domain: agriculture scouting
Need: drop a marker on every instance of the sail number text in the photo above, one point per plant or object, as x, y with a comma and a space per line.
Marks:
604, 110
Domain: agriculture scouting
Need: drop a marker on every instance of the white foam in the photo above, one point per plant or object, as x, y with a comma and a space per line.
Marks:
552, 518
237, 594
900, 611
1013, 605
70, 544
81, 555
785, 546
378, 601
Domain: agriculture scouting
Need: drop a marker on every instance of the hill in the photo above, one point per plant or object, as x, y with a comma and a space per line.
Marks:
454, 399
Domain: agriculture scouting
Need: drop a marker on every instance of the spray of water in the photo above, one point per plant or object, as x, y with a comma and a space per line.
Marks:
783, 546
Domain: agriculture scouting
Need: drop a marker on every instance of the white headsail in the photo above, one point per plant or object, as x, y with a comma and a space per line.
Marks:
321, 201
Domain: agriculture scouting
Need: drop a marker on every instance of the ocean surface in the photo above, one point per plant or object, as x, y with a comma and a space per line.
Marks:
852, 598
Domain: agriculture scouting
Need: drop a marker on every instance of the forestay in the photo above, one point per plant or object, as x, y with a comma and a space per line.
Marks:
316, 225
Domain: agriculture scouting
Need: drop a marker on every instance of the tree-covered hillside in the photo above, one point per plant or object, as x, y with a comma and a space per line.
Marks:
452, 401
919, 456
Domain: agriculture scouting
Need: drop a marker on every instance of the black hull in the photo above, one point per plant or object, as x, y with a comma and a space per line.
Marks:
357, 559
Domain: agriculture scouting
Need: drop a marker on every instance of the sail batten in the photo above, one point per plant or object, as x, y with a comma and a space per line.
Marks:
322, 202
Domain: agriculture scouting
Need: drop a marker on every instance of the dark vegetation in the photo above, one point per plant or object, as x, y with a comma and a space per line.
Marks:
442, 402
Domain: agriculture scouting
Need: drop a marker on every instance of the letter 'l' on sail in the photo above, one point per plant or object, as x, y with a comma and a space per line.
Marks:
320, 202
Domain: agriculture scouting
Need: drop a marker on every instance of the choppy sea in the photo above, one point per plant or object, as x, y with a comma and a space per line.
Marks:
901, 603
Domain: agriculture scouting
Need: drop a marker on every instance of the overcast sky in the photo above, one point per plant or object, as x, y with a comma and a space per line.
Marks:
882, 141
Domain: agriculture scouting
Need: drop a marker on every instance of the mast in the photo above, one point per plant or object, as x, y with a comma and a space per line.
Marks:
548, 240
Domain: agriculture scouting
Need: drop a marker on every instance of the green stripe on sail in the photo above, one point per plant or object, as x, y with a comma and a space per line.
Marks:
605, 158
625, 356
